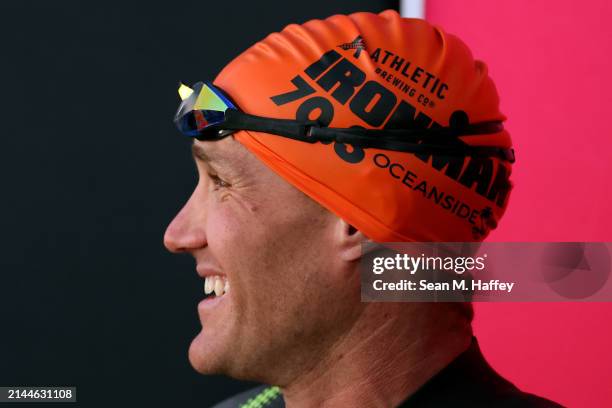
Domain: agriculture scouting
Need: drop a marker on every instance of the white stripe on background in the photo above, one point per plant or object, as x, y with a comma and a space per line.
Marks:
412, 8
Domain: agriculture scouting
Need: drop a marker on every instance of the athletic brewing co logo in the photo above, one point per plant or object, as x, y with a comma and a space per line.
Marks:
378, 107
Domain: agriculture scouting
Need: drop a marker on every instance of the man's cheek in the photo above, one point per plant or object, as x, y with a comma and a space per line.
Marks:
235, 243
226, 224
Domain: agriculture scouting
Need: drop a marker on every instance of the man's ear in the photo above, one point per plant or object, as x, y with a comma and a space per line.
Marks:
350, 241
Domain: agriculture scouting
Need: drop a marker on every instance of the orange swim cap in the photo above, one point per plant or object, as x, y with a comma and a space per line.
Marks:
377, 71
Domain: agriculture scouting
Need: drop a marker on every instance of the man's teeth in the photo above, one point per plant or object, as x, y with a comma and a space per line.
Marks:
219, 287
217, 284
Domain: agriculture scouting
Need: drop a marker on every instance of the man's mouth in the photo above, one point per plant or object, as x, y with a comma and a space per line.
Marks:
215, 286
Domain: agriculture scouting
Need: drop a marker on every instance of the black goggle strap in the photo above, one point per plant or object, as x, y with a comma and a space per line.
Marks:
403, 140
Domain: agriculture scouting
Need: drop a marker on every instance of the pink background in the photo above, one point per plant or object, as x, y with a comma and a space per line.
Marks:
551, 61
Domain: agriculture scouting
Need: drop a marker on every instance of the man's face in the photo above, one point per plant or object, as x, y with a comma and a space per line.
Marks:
276, 248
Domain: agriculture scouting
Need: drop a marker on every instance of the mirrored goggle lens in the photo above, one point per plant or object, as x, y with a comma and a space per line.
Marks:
203, 106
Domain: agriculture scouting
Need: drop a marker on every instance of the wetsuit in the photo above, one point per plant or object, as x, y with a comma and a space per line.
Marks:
468, 381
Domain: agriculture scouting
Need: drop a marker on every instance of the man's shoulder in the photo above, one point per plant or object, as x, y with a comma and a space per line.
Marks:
524, 399
262, 396
270, 397
254, 398
469, 381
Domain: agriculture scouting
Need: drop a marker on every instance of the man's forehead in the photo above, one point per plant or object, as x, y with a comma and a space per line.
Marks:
226, 152
212, 151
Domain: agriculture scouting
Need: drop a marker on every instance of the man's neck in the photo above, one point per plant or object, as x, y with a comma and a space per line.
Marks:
390, 352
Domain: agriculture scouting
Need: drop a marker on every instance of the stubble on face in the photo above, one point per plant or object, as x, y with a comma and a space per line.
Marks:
275, 245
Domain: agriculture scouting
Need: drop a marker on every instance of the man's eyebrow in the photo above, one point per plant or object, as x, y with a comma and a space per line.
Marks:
216, 160
198, 152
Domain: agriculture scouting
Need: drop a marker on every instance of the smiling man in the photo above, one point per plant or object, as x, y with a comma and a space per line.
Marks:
313, 141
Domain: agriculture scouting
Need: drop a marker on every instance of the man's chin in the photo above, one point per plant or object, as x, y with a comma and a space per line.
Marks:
215, 356
208, 356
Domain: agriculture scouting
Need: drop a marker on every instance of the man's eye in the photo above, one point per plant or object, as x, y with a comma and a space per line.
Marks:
217, 181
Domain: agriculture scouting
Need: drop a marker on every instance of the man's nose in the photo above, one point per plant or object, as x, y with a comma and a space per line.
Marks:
187, 230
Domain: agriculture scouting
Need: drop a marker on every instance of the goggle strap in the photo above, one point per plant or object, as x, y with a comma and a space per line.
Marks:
236, 120
403, 140
425, 147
